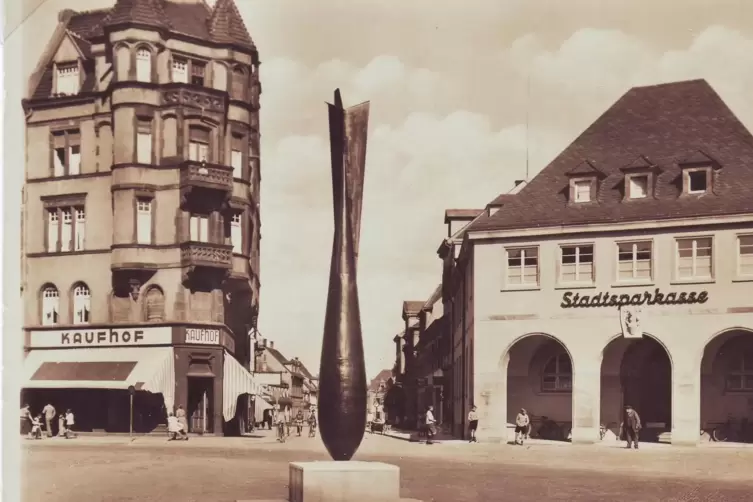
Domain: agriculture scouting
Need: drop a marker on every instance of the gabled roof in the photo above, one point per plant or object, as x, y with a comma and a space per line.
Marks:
662, 123
383, 376
585, 168
639, 163
223, 24
697, 157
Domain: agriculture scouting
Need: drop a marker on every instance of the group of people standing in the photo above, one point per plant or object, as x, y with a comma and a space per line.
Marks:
32, 425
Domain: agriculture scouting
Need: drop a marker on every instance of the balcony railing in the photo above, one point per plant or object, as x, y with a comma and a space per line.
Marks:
205, 254
211, 176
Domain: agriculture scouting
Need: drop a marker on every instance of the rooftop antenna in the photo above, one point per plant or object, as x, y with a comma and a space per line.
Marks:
528, 104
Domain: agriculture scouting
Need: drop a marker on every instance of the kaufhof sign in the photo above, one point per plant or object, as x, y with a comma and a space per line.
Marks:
203, 336
101, 337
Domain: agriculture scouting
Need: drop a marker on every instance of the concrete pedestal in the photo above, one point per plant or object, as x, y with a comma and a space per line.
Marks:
344, 482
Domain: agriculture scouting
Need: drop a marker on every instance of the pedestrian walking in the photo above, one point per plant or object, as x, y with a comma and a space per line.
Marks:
473, 424
49, 414
431, 428
631, 426
521, 426
312, 423
299, 423
26, 420
180, 414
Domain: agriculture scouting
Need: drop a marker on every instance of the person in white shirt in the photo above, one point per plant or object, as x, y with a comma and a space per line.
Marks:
431, 429
473, 424
69, 423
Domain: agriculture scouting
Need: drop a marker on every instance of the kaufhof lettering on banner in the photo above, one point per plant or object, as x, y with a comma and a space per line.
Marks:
202, 336
101, 337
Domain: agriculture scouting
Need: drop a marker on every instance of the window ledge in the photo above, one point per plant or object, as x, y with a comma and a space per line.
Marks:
681, 282
576, 285
743, 278
521, 288
633, 284
67, 253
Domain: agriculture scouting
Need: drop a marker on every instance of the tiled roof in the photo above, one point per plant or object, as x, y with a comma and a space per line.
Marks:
44, 88
226, 24
383, 376
189, 19
147, 12
664, 123
88, 24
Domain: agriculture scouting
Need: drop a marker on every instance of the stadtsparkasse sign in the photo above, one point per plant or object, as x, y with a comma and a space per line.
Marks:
101, 337
606, 299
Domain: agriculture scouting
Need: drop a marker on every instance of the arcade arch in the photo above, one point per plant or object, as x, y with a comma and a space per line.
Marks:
637, 372
539, 379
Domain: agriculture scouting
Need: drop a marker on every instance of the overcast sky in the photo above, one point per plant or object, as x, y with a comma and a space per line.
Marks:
450, 93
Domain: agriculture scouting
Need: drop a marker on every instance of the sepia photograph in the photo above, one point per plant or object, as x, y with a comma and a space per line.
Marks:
377, 250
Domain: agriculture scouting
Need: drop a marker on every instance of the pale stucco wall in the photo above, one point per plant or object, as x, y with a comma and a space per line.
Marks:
502, 317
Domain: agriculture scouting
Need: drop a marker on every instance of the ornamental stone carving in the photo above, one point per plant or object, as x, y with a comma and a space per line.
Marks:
193, 99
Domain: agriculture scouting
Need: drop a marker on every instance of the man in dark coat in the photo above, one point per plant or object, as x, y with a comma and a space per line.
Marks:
632, 426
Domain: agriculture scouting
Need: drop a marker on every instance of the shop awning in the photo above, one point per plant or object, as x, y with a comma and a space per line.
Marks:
236, 381
260, 404
148, 369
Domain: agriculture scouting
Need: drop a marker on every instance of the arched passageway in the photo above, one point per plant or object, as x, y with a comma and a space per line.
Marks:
637, 372
727, 387
540, 379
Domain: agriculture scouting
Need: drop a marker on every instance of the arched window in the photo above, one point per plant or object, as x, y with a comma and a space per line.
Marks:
558, 374
740, 371
143, 64
155, 304
81, 304
50, 305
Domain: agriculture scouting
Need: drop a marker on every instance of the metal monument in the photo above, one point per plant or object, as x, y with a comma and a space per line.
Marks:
342, 372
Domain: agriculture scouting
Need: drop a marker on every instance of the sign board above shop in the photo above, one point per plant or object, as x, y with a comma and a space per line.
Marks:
606, 299
203, 336
101, 337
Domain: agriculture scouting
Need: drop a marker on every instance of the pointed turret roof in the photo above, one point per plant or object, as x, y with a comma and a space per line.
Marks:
149, 12
226, 25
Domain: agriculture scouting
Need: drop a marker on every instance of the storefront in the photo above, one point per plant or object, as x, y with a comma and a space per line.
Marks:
90, 369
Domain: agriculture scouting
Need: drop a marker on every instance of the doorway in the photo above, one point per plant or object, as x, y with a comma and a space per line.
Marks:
647, 386
200, 404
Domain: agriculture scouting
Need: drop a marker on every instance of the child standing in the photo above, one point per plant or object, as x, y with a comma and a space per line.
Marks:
69, 423
473, 424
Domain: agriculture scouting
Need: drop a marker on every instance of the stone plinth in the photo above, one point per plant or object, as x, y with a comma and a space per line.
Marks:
344, 482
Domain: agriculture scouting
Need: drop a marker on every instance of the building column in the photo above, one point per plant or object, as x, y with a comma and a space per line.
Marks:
686, 399
586, 395
491, 400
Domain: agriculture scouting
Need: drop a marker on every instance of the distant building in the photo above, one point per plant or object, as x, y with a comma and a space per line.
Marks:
375, 394
141, 220
621, 274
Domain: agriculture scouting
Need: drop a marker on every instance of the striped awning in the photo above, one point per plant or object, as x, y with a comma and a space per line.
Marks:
148, 369
236, 381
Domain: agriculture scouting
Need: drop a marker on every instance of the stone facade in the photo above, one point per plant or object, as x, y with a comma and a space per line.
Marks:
141, 202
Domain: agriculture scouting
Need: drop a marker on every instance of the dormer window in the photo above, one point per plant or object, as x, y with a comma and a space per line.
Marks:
68, 81
697, 180
637, 186
582, 190
584, 180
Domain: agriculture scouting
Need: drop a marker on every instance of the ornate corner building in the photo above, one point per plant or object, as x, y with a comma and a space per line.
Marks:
141, 221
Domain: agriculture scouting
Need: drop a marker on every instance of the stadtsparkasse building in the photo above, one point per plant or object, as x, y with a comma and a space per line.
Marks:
141, 220
622, 274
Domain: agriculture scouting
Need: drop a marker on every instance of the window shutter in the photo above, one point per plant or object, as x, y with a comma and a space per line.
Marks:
236, 232
144, 222
80, 229
67, 231
144, 148
53, 228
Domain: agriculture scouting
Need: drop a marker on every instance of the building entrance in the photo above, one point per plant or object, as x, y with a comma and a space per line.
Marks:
200, 402
647, 386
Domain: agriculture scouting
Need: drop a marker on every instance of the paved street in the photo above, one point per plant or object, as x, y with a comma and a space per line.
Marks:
229, 469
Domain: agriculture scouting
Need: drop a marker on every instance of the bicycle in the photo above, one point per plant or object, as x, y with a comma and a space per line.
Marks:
732, 431
281, 436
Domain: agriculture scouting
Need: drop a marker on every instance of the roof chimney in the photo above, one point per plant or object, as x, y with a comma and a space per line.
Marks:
518, 182
271, 344
65, 14
264, 342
